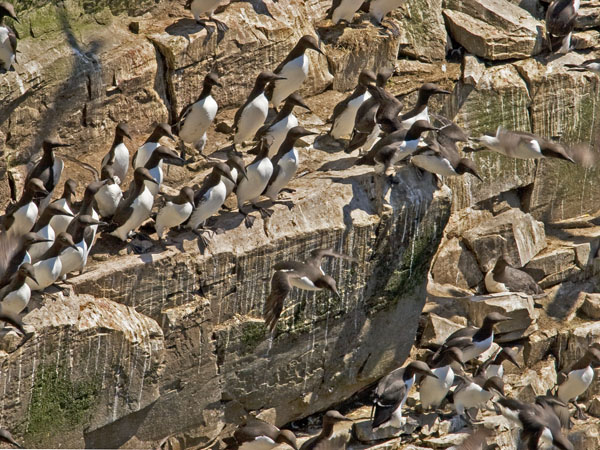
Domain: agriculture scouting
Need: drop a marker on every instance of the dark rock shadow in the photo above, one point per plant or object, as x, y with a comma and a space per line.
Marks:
338, 164
117, 433
259, 7
327, 144
185, 27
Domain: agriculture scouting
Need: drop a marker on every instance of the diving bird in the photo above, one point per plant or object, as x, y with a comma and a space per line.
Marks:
285, 162
505, 278
45, 229
177, 209
560, 22
197, 117
380, 8
420, 111
326, 439
591, 65
48, 169
143, 153
258, 175
136, 205
344, 113
523, 145
276, 131
118, 155
154, 166
256, 434
14, 297
67, 203
493, 366
108, 196
578, 378
202, 7
48, 269
392, 391
293, 70
474, 393
253, 113
307, 275
343, 10
8, 38
433, 390
211, 196
20, 217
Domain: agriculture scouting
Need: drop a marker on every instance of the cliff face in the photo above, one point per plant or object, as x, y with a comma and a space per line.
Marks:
171, 342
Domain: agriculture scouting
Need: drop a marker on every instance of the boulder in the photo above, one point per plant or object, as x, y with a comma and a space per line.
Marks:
437, 328
365, 433
538, 345
455, 264
515, 235
533, 381
591, 306
493, 29
589, 15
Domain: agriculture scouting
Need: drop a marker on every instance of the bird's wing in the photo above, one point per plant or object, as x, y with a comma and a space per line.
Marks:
238, 115
316, 256
475, 440
280, 287
334, 5
388, 396
8, 247
184, 113
521, 281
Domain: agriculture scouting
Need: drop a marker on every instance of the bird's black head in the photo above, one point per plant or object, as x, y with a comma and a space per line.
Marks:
212, 79
384, 75
123, 130
367, 77
297, 100
142, 174
70, 187
327, 282
7, 9
309, 42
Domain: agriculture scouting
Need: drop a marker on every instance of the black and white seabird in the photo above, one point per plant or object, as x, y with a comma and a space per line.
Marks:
177, 209
48, 268
474, 341
44, 228
560, 22
578, 378
197, 117
389, 108
474, 393
15, 254
14, 297
136, 205
88, 207
542, 428
253, 113
202, 7
326, 439
433, 390
66, 203
380, 8
344, 113
420, 110
75, 258
444, 161
392, 391
48, 169
285, 120
293, 70
108, 196
285, 162
143, 153
591, 65
118, 155
8, 38
511, 407
211, 196
307, 275
493, 366
154, 166
258, 175
505, 278
238, 171
343, 10
259, 435
20, 217
523, 145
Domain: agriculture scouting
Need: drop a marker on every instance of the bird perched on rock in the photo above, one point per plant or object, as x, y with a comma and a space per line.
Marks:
275, 132
434, 390
253, 113
420, 110
560, 23
118, 156
67, 203
196, 118
293, 70
45, 230
542, 428
326, 439
19, 218
343, 10
177, 209
522, 145
201, 7
473, 393
75, 258
285, 162
392, 391
8, 38
142, 154
307, 275
256, 434
344, 113
493, 366
48, 269
579, 377
505, 278
108, 196
154, 166
591, 65
14, 297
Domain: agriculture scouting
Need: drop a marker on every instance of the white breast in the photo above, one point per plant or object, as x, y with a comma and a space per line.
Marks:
172, 215
73, 259
121, 162
346, 10
252, 118
143, 154
477, 348
142, 206
494, 370
200, 7
258, 175
260, 443
379, 8
434, 164
423, 115
278, 131
372, 139
492, 285
470, 397
527, 148
288, 165
304, 283
576, 384
108, 198
295, 73
433, 390
46, 272
198, 120
344, 123
60, 223
38, 249
17, 300
25, 218
7, 57
157, 174
212, 201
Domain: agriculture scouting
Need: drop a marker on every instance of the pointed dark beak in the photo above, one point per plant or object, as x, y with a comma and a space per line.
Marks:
443, 91
428, 373
318, 50
218, 83
62, 145
170, 136
175, 161
242, 170
128, 136
99, 222
151, 179
42, 240
304, 105
277, 78
230, 177
32, 276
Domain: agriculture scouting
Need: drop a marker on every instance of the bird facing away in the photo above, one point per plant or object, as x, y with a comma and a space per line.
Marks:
306, 275
20, 217
326, 439
15, 296
257, 434
560, 22
504, 278
67, 203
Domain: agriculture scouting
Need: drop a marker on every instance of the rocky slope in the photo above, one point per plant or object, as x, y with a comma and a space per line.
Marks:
142, 347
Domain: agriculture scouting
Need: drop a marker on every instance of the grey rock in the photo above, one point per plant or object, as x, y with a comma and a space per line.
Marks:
591, 306
456, 265
437, 328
